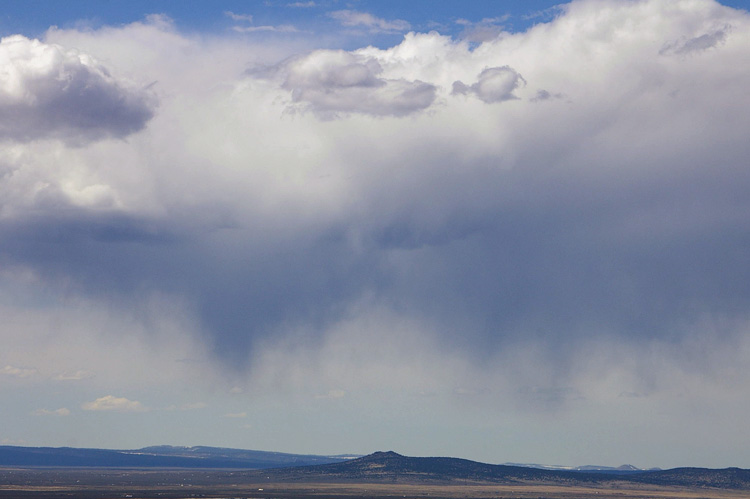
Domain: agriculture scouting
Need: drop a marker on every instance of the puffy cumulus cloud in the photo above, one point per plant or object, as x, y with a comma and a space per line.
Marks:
334, 82
114, 404
49, 91
493, 85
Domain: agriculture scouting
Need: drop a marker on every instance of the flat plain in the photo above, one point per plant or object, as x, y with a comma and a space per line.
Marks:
58, 483
385, 475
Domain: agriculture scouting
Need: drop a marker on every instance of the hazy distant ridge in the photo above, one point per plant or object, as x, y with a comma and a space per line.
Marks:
157, 457
625, 468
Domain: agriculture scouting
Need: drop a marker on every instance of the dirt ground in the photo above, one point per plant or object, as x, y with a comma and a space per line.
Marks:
182, 484
358, 491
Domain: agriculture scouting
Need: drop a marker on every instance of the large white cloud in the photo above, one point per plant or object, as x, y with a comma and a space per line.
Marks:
557, 198
49, 91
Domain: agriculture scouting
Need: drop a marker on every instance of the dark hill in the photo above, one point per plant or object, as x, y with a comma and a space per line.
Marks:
728, 478
392, 467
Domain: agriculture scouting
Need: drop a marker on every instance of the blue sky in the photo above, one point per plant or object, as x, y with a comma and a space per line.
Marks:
35, 17
431, 227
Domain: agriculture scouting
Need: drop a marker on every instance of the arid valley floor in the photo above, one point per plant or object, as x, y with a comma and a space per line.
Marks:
101, 483
194, 472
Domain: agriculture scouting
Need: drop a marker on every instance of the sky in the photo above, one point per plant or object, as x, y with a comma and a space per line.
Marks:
502, 231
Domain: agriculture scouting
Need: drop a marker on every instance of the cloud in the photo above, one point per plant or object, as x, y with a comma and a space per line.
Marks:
57, 412
542, 95
507, 223
78, 375
353, 18
698, 43
547, 14
422, 212
493, 85
303, 5
538, 257
18, 372
114, 404
47, 91
284, 28
333, 82
332, 394
187, 407
237, 415
193, 406
239, 17
482, 31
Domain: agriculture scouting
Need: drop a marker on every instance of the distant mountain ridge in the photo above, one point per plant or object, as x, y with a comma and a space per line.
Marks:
625, 468
379, 467
391, 467
163, 456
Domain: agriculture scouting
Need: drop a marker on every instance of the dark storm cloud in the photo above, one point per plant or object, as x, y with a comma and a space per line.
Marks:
568, 259
106, 255
242, 291
48, 92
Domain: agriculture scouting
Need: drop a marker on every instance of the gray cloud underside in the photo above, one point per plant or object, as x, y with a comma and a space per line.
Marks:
564, 259
332, 83
47, 92
697, 43
493, 85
